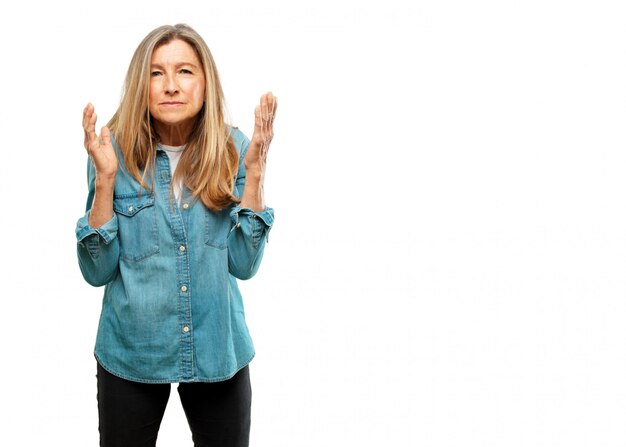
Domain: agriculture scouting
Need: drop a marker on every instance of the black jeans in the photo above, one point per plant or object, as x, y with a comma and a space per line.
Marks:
130, 413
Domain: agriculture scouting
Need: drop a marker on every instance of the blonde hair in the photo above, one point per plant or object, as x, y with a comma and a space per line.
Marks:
209, 162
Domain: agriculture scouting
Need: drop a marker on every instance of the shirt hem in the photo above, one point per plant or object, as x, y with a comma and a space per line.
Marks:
157, 381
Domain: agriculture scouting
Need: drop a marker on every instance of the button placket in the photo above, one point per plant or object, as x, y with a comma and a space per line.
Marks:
178, 216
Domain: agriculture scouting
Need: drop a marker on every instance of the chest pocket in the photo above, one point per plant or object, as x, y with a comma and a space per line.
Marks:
137, 226
216, 227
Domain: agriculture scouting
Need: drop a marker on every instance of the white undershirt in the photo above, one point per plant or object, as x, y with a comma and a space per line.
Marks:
174, 153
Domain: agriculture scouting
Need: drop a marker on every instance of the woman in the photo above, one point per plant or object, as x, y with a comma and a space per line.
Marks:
175, 213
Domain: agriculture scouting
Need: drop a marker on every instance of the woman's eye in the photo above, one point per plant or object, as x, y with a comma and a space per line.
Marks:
185, 71
155, 73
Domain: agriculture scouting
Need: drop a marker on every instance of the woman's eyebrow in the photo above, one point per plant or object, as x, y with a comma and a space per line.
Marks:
180, 64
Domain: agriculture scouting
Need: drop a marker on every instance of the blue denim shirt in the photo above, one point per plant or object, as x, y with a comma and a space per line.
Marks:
172, 311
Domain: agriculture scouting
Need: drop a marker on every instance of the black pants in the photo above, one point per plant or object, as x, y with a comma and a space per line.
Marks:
130, 413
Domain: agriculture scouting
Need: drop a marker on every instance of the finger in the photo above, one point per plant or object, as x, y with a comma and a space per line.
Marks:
264, 108
89, 119
271, 110
265, 113
87, 114
274, 107
257, 135
91, 128
88, 109
105, 134
92, 142
258, 122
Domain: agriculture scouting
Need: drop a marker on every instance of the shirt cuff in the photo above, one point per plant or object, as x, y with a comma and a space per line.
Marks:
107, 232
266, 216
256, 224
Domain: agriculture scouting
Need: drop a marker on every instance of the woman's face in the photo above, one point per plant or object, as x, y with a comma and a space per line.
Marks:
176, 88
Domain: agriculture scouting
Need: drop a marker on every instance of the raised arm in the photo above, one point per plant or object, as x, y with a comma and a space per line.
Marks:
252, 220
256, 155
105, 162
96, 231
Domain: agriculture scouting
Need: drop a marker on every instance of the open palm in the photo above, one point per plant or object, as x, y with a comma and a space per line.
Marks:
100, 148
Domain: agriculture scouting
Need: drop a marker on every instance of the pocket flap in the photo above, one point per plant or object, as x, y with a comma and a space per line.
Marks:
131, 204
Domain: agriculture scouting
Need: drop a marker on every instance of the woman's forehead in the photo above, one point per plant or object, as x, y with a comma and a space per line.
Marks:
175, 52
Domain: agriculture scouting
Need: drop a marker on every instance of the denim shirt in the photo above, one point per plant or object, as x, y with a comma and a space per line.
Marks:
172, 311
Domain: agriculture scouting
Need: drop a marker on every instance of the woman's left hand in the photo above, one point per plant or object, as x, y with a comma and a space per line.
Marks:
264, 115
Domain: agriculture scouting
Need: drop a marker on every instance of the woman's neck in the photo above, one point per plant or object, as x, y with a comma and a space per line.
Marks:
173, 135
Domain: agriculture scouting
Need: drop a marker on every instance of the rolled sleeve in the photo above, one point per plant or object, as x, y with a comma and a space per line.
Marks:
246, 242
256, 224
107, 232
98, 250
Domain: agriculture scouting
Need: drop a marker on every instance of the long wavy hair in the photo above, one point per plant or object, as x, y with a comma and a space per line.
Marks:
208, 164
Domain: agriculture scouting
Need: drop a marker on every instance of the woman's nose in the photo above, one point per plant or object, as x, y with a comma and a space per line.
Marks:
171, 86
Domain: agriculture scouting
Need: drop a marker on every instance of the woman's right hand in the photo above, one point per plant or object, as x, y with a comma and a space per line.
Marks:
100, 148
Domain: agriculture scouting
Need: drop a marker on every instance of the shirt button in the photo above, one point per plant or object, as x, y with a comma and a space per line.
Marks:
130, 208
182, 248
183, 288
186, 329
185, 205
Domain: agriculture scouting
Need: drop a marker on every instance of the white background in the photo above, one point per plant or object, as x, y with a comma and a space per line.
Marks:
447, 266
